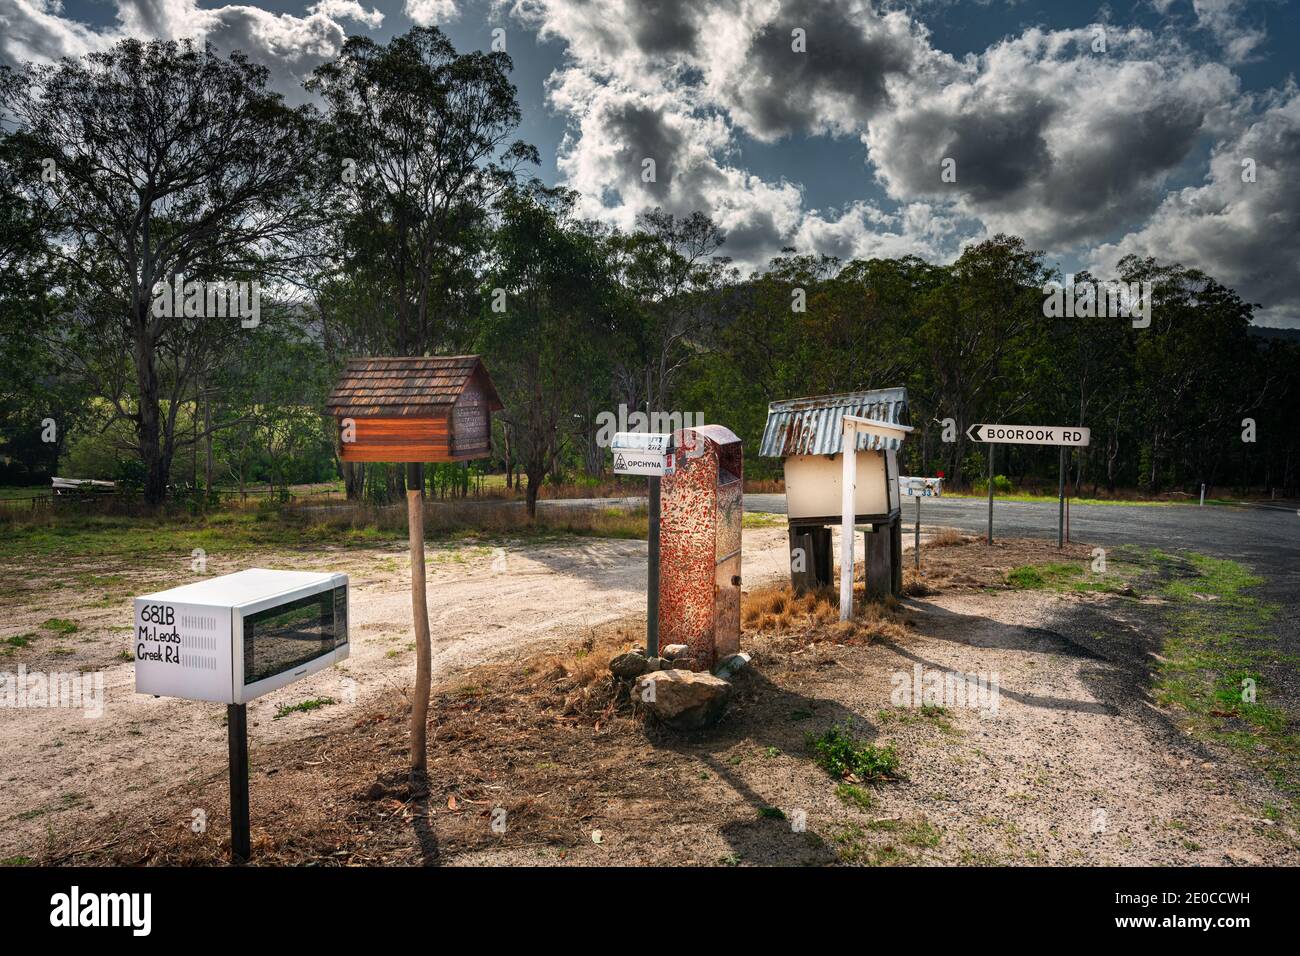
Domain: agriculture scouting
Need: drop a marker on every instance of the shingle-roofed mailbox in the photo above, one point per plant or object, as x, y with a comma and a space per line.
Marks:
413, 410
808, 433
699, 559
417, 409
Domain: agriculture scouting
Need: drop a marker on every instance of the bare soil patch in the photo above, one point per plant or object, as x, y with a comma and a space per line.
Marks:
536, 758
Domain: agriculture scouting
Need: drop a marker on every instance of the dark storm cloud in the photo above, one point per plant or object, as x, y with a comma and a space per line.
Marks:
663, 26
848, 57
644, 135
997, 153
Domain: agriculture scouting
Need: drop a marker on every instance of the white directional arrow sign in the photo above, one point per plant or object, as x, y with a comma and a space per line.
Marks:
1030, 434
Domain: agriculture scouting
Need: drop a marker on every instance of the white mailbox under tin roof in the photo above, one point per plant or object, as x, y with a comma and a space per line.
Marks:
235, 637
809, 434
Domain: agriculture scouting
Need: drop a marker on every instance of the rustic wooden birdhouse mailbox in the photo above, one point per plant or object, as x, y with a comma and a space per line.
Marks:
417, 409
430, 409
821, 488
699, 542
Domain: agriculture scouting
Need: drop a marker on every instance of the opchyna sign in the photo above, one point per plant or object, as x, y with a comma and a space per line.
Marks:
1030, 434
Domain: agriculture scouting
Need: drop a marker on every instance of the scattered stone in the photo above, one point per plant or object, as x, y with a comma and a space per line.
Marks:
684, 700
657, 664
629, 665
673, 651
732, 664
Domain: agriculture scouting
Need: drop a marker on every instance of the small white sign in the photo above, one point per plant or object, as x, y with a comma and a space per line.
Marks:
1030, 434
920, 487
643, 453
632, 461
642, 441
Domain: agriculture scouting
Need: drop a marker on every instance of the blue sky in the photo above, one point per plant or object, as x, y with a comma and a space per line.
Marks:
1093, 131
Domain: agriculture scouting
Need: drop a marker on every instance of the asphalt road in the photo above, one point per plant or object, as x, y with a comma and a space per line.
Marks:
1266, 537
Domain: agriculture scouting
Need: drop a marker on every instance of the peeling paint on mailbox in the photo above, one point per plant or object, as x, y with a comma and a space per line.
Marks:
699, 558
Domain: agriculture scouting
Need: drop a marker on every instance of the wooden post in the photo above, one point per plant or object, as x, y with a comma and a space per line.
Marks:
805, 578
879, 548
423, 652
896, 554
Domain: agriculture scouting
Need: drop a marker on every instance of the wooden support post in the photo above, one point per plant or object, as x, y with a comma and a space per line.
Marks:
824, 550
423, 651
803, 560
879, 561
896, 553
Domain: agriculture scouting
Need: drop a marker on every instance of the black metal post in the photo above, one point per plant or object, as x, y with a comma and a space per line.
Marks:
237, 733
652, 585
990, 535
1060, 505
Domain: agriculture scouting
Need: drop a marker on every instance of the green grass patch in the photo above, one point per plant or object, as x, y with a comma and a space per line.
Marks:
1217, 651
1065, 576
763, 519
771, 813
841, 755
854, 796
60, 625
314, 703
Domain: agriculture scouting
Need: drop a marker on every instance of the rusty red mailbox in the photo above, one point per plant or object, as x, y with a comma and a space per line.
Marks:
699, 541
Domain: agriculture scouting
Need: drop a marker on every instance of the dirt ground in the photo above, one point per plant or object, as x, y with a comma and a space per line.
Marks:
533, 759
60, 769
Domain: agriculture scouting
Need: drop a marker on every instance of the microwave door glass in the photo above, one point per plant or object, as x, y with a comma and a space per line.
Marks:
282, 637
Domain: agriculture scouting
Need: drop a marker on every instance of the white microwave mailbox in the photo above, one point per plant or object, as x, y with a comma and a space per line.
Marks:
236, 637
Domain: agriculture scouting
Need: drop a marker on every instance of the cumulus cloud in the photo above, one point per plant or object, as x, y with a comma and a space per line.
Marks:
35, 30
1051, 140
1244, 233
291, 46
629, 151
426, 13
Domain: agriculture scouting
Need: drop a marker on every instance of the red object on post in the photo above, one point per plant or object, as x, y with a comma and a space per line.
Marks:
699, 542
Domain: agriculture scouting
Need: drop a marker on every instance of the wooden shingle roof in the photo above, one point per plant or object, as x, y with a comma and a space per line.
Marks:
397, 386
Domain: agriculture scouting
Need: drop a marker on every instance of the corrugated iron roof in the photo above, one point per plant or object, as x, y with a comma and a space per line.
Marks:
405, 385
814, 426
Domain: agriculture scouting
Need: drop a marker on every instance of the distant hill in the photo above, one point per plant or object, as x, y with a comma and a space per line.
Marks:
1291, 336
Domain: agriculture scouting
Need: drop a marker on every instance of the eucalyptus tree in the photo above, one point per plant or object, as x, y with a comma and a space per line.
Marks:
419, 138
548, 321
160, 160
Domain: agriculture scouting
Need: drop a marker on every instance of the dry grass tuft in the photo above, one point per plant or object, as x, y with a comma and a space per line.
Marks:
814, 615
948, 538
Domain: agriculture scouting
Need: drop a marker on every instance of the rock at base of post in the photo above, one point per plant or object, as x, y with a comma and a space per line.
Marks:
684, 700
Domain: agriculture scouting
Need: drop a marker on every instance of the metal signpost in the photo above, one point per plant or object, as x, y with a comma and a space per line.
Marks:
919, 488
650, 454
1065, 436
